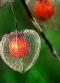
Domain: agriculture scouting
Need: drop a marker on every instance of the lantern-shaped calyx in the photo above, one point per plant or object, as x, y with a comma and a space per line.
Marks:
5, 2
20, 50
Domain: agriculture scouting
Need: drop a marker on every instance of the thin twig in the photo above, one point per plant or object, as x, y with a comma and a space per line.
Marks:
11, 6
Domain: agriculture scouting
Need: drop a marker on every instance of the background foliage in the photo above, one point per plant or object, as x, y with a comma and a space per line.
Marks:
46, 68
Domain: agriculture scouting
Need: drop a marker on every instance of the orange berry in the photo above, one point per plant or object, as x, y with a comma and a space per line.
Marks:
18, 47
44, 9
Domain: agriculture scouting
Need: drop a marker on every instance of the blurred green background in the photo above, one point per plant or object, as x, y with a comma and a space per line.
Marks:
46, 68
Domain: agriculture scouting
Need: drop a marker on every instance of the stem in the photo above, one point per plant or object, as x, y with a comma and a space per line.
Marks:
11, 6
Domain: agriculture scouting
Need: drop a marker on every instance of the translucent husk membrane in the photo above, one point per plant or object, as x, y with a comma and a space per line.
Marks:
54, 21
21, 64
5, 2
